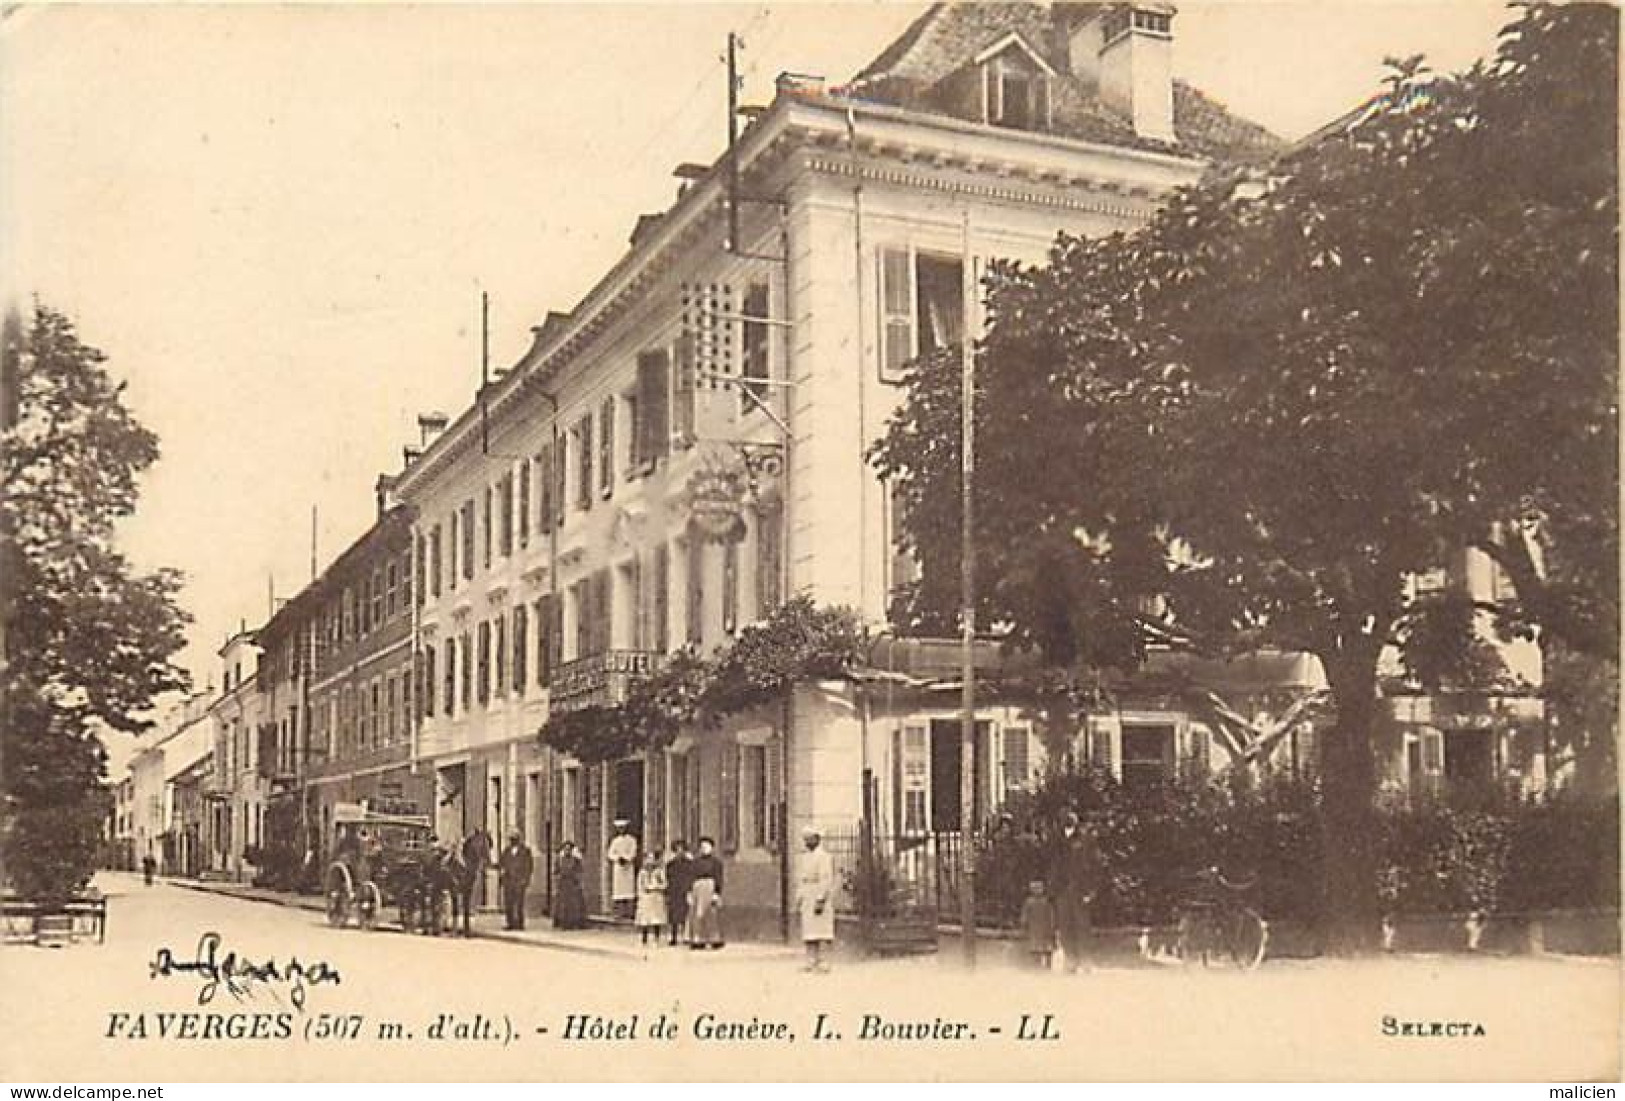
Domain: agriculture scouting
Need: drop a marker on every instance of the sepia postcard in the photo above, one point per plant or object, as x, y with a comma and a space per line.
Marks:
1021, 541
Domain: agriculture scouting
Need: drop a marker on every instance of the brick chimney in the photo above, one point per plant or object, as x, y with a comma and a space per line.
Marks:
1124, 53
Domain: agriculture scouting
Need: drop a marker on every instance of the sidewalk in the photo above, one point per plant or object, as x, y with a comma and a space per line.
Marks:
608, 941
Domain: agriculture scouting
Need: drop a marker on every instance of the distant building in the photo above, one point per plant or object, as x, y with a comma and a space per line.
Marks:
235, 792
171, 757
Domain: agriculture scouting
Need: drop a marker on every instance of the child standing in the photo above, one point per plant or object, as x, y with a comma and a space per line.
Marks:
1038, 926
651, 907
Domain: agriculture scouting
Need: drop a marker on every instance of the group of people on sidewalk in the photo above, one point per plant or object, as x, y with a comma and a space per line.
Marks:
456, 873
679, 898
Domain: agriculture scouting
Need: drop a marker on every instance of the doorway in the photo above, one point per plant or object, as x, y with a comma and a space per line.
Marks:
947, 753
628, 795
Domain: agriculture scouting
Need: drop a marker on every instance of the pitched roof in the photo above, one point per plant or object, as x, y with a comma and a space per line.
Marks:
949, 35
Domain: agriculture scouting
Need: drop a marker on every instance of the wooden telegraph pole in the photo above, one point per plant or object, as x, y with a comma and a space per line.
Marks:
967, 605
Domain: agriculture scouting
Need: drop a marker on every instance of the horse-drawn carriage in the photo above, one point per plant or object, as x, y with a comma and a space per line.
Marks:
381, 857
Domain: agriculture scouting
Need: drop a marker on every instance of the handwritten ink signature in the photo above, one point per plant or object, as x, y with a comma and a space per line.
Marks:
238, 975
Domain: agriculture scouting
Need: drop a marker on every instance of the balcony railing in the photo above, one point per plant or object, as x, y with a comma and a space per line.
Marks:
601, 678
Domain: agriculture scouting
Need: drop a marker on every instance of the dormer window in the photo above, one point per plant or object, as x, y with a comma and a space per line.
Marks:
1015, 85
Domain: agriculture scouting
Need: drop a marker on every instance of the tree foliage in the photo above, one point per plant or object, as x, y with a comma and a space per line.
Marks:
88, 640
799, 641
1252, 421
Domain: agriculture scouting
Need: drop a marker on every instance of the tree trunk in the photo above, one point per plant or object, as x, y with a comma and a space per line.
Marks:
1349, 834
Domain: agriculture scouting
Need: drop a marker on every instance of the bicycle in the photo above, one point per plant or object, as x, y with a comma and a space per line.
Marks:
1221, 919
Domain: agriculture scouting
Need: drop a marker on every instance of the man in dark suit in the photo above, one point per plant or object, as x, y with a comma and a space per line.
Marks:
516, 865
1075, 878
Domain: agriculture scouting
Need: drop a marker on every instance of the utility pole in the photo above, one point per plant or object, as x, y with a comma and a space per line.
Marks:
485, 368
967, 603
733, 139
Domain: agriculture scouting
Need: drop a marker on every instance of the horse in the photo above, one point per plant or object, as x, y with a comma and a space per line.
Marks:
457, 877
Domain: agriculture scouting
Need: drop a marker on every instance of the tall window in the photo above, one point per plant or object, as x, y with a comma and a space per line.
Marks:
581, 596
544, 479
422, 545
1148, 754
921, 308
505, 514
584, 458
430, 684
467, 650
755, 345
499, 655
546, 640
484, 683
1017, 758
730, 586
523, 523
468, 539
659, 613
694, 610
652, 438
392, 586
487, 525
769, 564
521, 645
561, 480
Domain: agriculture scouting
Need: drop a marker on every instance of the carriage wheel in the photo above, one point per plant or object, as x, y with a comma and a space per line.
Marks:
369, 902
339, 896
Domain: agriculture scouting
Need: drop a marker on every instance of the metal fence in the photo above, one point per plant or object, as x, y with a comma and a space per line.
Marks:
883, 873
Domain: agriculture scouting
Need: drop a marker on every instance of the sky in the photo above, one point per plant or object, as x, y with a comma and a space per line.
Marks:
278, 220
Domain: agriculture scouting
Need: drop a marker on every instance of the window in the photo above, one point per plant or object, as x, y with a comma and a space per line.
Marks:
1148, 754
581, 598
505, 515
422, 560
468, 672
730, 586
728, 789
547, 637
1017, 758
694, 607
603, 611
1017, 95
375, 720
754, 347
521, 644
406, 583
652, 436
753, 796
468, 539
523, 523
392, 703
544, 482
632, 465
684, 391
434, 561
484, 683
392, 584
659, 615
921, 308
499, 653
769, 541
905, 565
584, 454
629, 632
486, 526
912, 769
606, 447
561, 482
429, 682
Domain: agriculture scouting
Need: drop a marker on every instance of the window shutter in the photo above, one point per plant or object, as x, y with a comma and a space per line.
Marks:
561, 483
604, 606
1017, 758
484, 686
521, 646
467, 648
654, 405
684, 392
774, 785
637, 608
654, 784
486, 526
660, 637
730, 797
896, 313
524, 502
1100, 738
499, 651
468, 539
451, 677
606, 447
584, 462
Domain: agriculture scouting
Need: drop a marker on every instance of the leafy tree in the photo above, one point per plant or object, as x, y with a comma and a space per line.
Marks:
88, 641
1250, 423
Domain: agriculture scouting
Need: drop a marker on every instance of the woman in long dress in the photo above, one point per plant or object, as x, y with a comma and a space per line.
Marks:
570, 901
651, 911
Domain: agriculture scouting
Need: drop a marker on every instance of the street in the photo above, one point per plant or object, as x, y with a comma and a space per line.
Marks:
384, 1005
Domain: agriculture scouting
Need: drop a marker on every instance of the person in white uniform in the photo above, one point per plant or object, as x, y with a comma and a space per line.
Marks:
815, 890
623, 870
